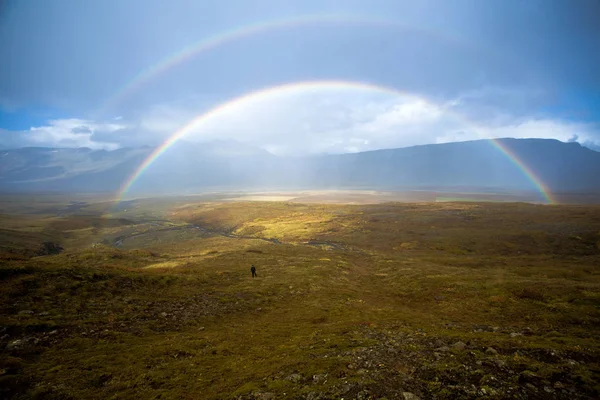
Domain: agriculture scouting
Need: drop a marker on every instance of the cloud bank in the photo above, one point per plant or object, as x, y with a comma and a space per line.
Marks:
301, 122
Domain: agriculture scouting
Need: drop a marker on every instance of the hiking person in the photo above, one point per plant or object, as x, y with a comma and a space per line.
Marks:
253, 270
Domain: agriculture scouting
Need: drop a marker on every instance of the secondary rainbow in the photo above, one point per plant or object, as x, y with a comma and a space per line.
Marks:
206, 44
197, 123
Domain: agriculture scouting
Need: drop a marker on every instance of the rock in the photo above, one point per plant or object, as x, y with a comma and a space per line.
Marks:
259, 309
314, 396
531, 387
164, 314
439, 343
527, 332
527, 377
44, 313
319, 378
443, 348
514, 334
362, 371
558, 385
265, 395
362, 395
482, 328
201, 328
491, 351
26, 312
410, 396
15, 345
459, 345
294, 378
499, 363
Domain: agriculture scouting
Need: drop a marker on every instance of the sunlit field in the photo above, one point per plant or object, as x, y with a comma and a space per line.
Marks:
153, 298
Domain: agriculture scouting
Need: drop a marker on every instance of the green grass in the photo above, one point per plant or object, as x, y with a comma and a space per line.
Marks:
365, 309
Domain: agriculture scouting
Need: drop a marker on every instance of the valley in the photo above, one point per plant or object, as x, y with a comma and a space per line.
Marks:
358, 296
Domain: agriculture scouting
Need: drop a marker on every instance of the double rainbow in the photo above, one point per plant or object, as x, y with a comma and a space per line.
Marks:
259, 95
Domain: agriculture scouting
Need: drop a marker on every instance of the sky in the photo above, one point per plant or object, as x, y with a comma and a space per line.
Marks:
298, 76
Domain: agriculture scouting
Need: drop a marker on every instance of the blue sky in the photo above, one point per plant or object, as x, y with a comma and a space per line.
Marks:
461, 69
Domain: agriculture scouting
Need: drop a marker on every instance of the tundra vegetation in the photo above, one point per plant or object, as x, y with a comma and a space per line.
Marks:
154, 298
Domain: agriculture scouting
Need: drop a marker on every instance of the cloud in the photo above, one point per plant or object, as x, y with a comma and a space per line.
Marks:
309, 122
315, 121
71, 132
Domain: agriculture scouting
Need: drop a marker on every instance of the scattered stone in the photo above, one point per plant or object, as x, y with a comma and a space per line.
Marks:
265, 395
319, 378
515, 334
164, 314
54, 332
443, 348
26, 312
548, 389
314, 396
294, 378
44, 313
531, 387
491, 351
527, 332
201, 328
440, 298
410, 396
259, 309
362, 371
558, 385
362, 395
482, 328
15, 345
527, 377
572, 362
459, 345
439, 343
499, 363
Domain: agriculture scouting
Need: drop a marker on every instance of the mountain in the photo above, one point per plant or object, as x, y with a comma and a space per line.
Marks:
189, 167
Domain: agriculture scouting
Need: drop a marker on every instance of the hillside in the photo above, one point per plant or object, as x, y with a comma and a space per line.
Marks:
189, 167
397, 301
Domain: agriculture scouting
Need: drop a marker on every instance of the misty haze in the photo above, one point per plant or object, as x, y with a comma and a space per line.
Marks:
309, 200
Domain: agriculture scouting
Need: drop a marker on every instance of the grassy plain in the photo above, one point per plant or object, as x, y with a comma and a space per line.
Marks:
154, 299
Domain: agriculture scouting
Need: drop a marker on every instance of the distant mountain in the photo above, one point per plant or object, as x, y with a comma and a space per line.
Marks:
189, 167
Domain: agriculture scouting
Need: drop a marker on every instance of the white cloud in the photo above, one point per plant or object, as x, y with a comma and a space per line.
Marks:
72, 132
304, 121
349, 120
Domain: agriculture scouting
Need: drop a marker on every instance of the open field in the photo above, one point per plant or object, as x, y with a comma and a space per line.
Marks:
153, 298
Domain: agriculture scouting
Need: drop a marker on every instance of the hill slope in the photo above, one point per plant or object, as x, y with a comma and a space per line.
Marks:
561, 167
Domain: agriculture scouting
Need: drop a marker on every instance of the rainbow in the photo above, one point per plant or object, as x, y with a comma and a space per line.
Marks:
537, 182
210, 43
221, 109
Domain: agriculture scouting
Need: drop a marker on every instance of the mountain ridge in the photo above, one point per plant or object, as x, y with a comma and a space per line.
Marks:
551, 164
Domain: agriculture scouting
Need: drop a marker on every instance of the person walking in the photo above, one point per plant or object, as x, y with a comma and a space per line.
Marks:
253, 270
